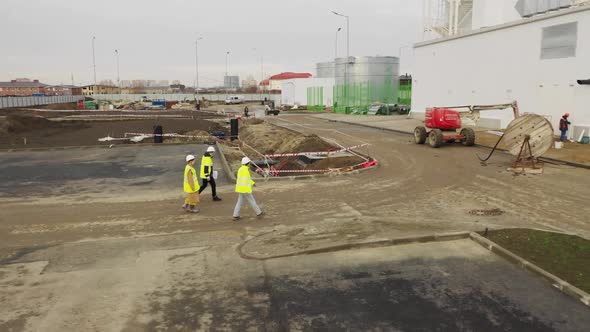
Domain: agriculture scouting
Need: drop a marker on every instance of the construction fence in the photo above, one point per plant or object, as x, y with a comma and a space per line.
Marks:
315, 98
358, 97
188, 97
29, 101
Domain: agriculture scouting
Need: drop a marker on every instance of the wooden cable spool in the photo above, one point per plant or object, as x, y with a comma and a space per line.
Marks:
532, 127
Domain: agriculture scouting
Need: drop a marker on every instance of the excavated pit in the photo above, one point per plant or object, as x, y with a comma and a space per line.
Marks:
258, 138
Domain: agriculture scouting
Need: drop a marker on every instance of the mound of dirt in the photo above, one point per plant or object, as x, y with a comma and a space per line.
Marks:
15, 124
60, 107
269, 139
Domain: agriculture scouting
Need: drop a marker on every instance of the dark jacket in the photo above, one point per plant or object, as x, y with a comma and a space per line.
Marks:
564, 124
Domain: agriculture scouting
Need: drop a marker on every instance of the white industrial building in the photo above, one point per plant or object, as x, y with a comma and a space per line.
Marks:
308, 91
476, 52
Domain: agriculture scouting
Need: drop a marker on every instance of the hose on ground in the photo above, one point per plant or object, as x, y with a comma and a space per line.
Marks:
491, 153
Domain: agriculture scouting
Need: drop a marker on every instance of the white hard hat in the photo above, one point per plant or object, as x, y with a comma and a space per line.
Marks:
210, 149
190, 157
246, 160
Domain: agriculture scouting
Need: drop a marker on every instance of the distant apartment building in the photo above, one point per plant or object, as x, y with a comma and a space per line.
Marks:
231, 82
249, 82
22, 87
89, 90
63, 90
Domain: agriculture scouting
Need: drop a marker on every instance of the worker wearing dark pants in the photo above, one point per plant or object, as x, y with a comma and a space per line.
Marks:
564, 126
207, 173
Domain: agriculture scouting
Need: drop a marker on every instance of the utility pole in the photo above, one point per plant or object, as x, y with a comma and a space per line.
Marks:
94, 60
197, 68
118, 72
261, 71
228, 83
346, 87
336, 43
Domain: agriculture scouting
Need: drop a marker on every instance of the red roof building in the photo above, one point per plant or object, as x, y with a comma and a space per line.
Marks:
289, 76
275, 81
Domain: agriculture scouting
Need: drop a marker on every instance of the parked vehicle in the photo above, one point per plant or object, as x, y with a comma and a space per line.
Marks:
231, 100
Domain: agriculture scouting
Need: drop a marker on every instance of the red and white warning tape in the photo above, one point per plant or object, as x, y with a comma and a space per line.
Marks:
279, 155
168, 135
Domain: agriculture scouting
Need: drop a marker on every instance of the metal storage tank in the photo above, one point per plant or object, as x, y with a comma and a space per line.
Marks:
369, 79
325, 69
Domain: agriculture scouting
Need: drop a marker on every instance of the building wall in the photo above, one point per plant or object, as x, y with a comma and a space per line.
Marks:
276, 85
487, 13
503, 64
294, 91
20, 91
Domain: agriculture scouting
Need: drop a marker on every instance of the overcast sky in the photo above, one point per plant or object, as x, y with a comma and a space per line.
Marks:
52, 39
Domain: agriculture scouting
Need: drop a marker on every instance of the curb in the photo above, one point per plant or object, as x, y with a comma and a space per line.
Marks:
557, 282
224, 163
569, 163
562, 285
361, 245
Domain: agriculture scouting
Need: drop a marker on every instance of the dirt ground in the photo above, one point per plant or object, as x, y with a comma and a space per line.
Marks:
45, 131
119, 253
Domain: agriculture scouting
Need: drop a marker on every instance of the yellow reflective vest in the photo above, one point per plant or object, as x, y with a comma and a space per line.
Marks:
206, 161
192, 178
244, 181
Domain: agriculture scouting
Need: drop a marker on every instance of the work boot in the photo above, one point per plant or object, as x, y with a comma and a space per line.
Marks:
216, 199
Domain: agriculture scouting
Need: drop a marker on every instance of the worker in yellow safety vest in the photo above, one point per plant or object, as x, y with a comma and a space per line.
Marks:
207, 175
191, 186
244, 186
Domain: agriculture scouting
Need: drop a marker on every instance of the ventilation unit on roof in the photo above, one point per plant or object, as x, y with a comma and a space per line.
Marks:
527, 8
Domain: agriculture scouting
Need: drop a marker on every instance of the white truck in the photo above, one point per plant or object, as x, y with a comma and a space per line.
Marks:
231, 100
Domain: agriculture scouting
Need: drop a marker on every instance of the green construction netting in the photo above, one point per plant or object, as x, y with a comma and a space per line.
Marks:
356, 98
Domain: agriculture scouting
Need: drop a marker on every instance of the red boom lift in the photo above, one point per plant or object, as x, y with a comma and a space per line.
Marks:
445, 121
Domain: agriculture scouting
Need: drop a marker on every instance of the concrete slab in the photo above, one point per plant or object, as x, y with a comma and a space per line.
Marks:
198, 282
87, 171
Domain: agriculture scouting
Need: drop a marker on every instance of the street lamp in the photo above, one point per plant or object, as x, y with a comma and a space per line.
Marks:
347, 55
228, 83
197, 68
261, 71
94, 60
336, 48
118, 72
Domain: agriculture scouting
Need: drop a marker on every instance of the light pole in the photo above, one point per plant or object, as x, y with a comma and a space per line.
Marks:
228, 83
94, 60
118, 72
347, 57
336, 43
261, 71
197, 68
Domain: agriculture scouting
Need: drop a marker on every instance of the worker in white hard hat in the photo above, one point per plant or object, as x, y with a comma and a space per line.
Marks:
244, 186
206, 173
191, 186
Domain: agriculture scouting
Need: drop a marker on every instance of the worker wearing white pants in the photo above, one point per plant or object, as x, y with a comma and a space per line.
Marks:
244, 186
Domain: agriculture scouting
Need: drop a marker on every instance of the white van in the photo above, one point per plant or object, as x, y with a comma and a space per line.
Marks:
234, 100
